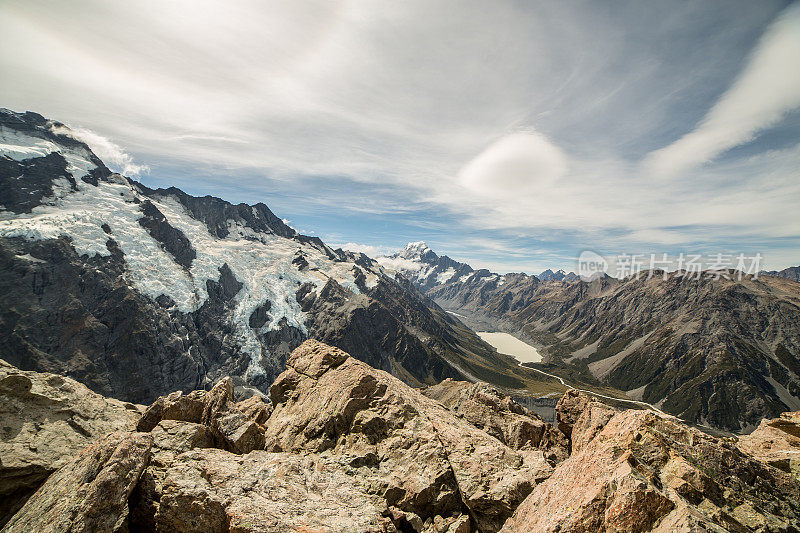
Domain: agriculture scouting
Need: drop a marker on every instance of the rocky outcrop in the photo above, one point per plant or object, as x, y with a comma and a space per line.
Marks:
646, 472
232, 429
487, 409
776, 442
580, 417
89, 494
216, 491
45, 421
342, 446
411, 450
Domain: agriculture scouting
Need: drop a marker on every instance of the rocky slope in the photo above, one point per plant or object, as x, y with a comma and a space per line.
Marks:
792, 273
138, 292
46, 419
720, 352
341, 446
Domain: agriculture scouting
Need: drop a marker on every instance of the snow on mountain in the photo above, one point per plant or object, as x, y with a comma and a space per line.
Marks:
139, 292
417, 262
90, 214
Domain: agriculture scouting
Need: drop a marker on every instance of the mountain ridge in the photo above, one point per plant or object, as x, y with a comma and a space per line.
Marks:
137, 292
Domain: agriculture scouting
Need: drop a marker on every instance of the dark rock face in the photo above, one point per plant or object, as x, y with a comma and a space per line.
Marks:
37, 174
216, 213
792, 273
173, 240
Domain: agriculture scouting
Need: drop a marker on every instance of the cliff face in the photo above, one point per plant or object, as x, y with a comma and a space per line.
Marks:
137, 292
341, 446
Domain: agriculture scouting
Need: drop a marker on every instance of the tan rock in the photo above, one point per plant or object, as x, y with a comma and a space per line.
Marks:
592, 420
89, 494
173, 437
174, 406
776, 442
408, 448
240, 434
500, 416
45, 422
569, 408
256, 409
644, 472
580, 417
215, 409
217, 491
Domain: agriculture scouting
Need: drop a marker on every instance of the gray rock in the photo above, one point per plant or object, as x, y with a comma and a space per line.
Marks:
45, 421
89, 494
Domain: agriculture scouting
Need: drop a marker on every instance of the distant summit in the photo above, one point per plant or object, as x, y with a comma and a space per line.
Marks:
792, 273
418, 263
559, 275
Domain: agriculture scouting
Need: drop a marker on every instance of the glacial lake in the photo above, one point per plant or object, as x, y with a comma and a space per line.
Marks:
510, 345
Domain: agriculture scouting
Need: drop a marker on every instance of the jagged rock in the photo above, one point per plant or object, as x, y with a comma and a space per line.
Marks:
644, 471
409, 449
172, 437
486, 408
256, 409
217, 400
240, 434
776, 442
89, 494
581, 417
215, 409
217, 491
45, 421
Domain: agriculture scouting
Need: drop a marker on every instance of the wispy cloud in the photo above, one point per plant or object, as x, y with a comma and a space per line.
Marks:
765, 92
435, 120
109, 152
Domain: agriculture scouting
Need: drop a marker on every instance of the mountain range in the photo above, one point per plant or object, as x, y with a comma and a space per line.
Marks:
138, 292
718, 351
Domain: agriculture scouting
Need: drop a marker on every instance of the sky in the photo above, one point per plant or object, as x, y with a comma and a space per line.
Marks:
513, 135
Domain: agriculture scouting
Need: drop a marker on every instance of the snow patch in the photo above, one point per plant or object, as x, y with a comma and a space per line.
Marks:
443, 277
20, 146
261, 262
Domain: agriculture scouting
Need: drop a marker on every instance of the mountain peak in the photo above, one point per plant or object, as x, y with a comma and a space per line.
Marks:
415, 250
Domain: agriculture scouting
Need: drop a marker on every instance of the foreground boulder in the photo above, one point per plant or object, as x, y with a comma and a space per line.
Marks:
419, 456
776, 442
487, 409
89, 494
580, 417
45, 421
215, 491
646, 472
233, 429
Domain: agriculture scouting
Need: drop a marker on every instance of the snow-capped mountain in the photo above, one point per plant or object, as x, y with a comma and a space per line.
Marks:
418, 263
138, 292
